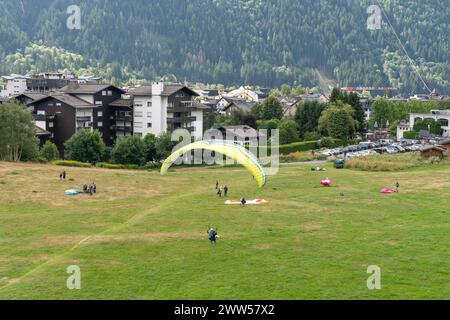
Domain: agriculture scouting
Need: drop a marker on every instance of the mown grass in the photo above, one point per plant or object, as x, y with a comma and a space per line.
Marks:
143, 236
392, 162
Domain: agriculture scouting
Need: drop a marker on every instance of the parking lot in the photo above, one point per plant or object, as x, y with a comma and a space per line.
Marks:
371, 148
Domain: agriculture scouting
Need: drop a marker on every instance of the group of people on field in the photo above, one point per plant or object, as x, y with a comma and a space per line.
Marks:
220, 190
90, 189
224, 191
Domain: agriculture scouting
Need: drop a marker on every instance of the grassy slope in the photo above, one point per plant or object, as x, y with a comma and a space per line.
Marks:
144, 236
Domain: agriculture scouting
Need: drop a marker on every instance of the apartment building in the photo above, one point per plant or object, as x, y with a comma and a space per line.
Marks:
84, 106
161, 108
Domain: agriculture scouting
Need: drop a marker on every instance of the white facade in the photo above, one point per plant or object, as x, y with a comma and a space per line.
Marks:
152, 112
13, 85
197, 124
401, 129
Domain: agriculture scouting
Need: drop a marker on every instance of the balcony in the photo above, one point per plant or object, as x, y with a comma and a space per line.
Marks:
122, 118
84, 119
121, 128
185, 106
181, 119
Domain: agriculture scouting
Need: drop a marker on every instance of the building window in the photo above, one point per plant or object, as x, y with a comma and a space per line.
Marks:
149, 125
138, 105
58, 104
100, 113
104, 93
138, 124
149, 104
99, 124
109, 93
138, 134
41, 113
138, 114
50, 124
98, 103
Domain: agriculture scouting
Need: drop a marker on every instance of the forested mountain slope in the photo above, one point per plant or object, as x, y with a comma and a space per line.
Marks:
266, 42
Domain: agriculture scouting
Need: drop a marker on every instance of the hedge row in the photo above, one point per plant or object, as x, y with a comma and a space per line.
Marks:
71, 163
106, 165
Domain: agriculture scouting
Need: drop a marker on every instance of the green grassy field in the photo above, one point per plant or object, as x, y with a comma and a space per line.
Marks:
143, 236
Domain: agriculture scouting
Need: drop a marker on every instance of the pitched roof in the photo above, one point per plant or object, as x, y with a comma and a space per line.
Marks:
32, 95
88, 88
69, 100
169, 89
122, 103
241, 131
239, 103
431, 147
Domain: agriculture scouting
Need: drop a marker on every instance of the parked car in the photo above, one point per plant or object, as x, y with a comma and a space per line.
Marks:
339, 163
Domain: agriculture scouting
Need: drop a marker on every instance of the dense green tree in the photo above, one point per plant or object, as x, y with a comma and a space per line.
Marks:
269, 109
352, 99
337, 121
129, 150
17, 133
150, 141
85, 146
288, 130
164, 146
307, 116
49, 151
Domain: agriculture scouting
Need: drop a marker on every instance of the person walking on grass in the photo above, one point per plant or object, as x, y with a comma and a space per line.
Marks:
217, 184
225, 191
64, 175
219, 192
397, 186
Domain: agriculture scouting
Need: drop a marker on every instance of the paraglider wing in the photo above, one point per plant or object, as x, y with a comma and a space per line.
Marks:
235, 152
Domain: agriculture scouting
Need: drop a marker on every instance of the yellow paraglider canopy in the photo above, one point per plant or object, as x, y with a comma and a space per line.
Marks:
235, 152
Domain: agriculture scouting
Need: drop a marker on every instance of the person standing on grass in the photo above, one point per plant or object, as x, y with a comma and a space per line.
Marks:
397, 186
64, 175
60, 176
219, 192
243, 202
212, 235
217, 184
225, 191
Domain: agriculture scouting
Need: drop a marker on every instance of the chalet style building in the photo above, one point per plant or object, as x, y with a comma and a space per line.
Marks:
156, 109
84, 106
161, 108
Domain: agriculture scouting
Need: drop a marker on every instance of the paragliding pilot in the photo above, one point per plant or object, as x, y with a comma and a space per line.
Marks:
212, 235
